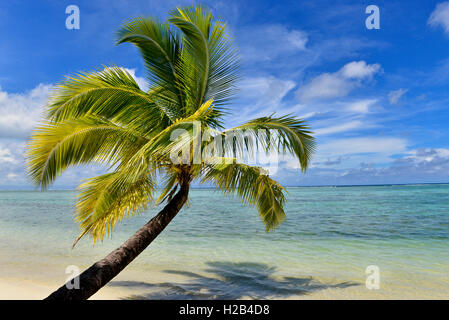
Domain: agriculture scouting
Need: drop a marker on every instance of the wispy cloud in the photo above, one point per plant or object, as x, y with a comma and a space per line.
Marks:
261, 96
348, 146
268, 42
267, 90
395, 95
352, 125
361, 106
338, 84
440, 16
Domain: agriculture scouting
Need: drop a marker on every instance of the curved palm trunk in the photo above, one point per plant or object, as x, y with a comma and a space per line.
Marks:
103, 271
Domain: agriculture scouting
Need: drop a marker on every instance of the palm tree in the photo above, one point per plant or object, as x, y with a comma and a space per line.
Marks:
104, 117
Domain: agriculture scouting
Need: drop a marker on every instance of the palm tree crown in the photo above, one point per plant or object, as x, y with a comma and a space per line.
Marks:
104, 117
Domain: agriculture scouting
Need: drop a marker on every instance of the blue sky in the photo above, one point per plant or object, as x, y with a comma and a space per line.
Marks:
377, 99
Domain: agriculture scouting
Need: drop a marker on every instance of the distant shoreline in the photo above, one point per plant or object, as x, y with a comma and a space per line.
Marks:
287, 186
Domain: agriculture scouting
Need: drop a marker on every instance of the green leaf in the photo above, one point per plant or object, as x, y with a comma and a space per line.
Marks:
111, 93
54, 146
284, 134
107, 199
160, 48
253, 186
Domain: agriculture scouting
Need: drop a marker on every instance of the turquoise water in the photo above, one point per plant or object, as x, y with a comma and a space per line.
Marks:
217, 248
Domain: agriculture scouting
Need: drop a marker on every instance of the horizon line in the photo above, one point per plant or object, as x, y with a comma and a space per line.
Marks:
287, 186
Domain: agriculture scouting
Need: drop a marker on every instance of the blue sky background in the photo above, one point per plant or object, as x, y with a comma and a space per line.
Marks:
377, 99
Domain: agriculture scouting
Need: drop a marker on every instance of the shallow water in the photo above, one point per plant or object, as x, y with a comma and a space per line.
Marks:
218, 248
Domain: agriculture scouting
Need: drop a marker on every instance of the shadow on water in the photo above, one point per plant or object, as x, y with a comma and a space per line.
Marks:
229, 281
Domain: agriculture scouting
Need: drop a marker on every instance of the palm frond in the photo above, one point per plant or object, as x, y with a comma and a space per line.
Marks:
224, 65
284, 134
163, 145
111, 93
169, 181
209, 60
107, 199
54, 146
253, 186
160, 48
195, 24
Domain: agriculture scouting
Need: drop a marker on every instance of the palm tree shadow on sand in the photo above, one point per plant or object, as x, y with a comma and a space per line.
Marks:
230, 281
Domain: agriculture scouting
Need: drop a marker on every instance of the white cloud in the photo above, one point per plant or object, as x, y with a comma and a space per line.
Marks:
359, 70
424, 165
338, 84
339, 128
297, 39
20, 112
266, 43
361, 106
266, 90
395, 95
440, 16
261, 96
428, 154
348, 153
324, 86
387, 145
11, 176
417, 166
6, 156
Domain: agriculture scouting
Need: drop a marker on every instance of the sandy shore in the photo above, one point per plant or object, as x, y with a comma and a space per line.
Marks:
16, 289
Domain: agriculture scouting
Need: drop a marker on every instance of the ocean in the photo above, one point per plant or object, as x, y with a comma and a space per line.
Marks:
329, 245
